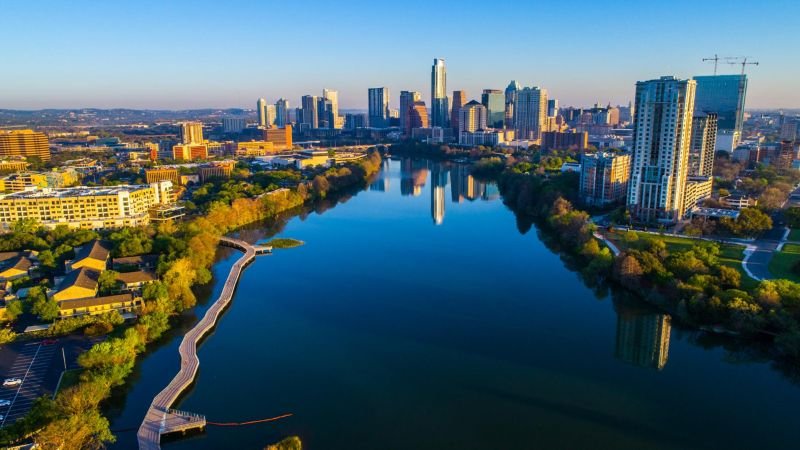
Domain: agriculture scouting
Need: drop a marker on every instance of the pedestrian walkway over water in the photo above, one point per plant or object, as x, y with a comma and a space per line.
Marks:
160, 419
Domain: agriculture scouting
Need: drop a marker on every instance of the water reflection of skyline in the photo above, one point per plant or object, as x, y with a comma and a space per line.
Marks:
414, 175
643, 336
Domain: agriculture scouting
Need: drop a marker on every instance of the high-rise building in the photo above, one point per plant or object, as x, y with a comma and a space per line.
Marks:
472, 117
530, 113
261, 110
417, 117
725, 96
378, 103
661, 141
233, 124
511, 98
459, 100
191, 133
325, 118
703, 142
786, 154
310, 114
271, 115
604, 178
440, 108
552, 107
495, 103
407, 99
557, 140
282, 112
27, 143
333, 97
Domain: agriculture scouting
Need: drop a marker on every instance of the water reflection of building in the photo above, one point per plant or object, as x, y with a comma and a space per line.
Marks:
642, 336
463, 185
413, 174
438, 185
381, 183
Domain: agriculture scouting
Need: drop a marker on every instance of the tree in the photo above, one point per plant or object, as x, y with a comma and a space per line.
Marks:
13, 309
7, 335
750, 223
107, 282
40, 305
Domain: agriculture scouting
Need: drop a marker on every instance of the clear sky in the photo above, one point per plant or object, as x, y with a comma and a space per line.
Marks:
226, 53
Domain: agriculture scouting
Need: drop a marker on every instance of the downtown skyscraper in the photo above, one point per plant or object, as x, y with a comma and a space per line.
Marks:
378, 104
459, 100
333, 97
661, 143
407, 99
723, 95
282, 112
440, 105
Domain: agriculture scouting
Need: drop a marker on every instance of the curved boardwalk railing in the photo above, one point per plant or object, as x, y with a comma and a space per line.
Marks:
160, 419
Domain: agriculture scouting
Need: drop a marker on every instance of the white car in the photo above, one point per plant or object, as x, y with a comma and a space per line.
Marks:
5, 403
11, 382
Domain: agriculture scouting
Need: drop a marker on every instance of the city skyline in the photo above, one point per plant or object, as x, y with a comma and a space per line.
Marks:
120, 66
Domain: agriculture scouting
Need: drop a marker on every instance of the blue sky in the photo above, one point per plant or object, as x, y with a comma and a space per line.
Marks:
181, 54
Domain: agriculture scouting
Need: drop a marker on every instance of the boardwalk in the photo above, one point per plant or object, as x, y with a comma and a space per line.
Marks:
160, 419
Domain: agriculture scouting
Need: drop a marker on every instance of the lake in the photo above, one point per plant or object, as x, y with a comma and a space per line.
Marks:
417, 315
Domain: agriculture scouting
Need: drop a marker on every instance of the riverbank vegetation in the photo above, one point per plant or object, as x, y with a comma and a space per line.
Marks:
695, 282
73, 420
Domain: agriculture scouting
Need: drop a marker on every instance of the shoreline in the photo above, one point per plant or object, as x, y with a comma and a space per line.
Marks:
155, 422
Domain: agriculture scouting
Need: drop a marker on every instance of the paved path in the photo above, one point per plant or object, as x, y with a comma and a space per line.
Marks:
159, 418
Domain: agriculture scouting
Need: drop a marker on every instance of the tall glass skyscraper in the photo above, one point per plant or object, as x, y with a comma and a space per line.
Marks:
378, 103
440, 105
495, 102
723, 95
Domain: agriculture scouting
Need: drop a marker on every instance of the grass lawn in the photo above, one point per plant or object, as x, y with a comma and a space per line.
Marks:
284, 243
782, 262
729, 255
794, 235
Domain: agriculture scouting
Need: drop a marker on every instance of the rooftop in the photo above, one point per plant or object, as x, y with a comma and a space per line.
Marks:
82, 191
94, 301
96, 249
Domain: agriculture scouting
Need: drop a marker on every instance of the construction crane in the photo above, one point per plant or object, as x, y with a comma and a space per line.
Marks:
742, 60
718, 58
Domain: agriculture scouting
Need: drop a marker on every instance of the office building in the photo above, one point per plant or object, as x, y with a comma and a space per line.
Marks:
698, 188
261, 110
407, 98
378, 107
254, 148
25, 143
281, 138
472, 117
190, 152
22, 181
723, 95
159, 174
233, 124
355, 121
191, 133
216, 169
440, 107
552, 107
495, 103
703, 143
282, 112
333, 97
557, 140
604, 178
511, 98
85, 207
325, 117
530, 113
417, 117
661, 140
459, 100
489, 138
310, 115
787, 152
13, 165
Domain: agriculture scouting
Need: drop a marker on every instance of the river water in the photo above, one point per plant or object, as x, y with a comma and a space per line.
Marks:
417, 315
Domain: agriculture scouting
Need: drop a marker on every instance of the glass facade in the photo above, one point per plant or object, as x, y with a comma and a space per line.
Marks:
495, 103
723, 95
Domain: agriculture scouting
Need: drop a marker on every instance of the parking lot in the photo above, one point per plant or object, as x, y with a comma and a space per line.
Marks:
39, 365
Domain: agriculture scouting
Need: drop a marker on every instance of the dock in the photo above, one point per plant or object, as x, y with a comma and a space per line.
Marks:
160, 418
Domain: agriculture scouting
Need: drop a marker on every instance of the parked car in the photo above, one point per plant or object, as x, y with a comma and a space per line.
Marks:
11, 382
49, 341
5, 403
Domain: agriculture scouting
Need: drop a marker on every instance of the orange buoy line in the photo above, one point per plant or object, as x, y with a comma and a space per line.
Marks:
250, 422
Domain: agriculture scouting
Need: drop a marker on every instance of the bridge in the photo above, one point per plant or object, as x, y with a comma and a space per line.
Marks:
160, 418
